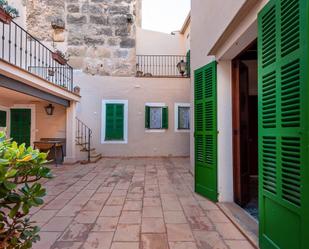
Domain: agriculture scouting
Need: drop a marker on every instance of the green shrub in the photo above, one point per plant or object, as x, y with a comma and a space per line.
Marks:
20, 170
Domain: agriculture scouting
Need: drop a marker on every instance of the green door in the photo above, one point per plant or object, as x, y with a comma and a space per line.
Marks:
283, 124
21, 125
205, 104
114, 122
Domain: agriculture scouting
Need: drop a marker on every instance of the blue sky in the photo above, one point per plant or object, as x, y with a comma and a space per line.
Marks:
164, 15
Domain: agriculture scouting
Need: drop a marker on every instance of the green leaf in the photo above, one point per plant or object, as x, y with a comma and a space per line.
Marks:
11, 173
9, 185
25, 208
14, 210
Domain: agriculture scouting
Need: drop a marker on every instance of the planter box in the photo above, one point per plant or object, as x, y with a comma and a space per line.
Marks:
57, 57
5, 17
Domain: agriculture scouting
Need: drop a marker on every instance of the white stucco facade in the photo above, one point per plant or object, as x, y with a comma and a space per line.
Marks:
235, 28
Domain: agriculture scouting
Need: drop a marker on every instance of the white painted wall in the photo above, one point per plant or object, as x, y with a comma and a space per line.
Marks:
138, 92
156, 43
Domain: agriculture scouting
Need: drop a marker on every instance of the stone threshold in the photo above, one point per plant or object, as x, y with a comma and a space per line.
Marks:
246, 224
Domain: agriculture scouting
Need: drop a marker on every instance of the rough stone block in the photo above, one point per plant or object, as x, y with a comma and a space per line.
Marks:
102, 20
76, 19
73, 8
127, 43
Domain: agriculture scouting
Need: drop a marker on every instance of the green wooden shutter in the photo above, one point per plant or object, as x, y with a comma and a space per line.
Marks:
283, 124
188, 63
205, 104
21, 126
165, 117
2, 118
114, 124
147, 117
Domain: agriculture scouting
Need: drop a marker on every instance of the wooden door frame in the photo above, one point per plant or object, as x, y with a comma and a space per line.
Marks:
235, 128
33, 126
235, 119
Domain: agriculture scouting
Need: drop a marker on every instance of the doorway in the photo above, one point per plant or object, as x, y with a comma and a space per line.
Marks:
245, 129
21, 126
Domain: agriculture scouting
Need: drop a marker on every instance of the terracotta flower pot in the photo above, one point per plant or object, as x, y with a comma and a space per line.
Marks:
57, 57
5, 17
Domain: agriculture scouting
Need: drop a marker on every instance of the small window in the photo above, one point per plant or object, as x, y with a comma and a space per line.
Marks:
114, 122
156, 117
182, 117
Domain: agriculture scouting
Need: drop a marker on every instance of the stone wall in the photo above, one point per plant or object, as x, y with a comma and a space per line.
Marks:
98, 35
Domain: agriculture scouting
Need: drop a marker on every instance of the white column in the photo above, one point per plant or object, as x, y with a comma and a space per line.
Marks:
71, 133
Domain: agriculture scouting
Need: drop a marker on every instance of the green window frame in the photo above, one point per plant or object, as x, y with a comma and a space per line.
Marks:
114, 122
164, 117
179, 120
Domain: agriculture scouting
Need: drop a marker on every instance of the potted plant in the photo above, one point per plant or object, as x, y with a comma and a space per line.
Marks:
59, 57
7, 12
21, 169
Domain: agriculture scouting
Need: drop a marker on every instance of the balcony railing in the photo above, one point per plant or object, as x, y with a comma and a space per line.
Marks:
23, 50
159, 66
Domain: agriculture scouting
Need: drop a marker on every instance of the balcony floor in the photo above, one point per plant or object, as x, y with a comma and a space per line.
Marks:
131, 204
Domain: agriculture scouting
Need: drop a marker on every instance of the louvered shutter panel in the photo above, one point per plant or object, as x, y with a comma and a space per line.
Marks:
147, 117
165, 117
2, 118
206, 130
283, 124
114, 122
119, 121
109, 122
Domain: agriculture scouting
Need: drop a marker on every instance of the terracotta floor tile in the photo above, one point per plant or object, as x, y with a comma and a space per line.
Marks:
106, 224
47, 240
239, 244
152, 212
111, 211
57, 224
87, 217
154, 241
152, 202
229, 231
130, 217
174, 217
76, 232
127, 232
209, 240
125, 245
98, 240
182, 245
133, 205
43, 216
115, 201
179, 232
153, 225
66, 245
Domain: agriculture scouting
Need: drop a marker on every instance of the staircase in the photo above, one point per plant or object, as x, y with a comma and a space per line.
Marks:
83, 140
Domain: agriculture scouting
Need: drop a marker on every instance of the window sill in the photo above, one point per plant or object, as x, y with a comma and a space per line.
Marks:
114, 142
182, 130
155, 130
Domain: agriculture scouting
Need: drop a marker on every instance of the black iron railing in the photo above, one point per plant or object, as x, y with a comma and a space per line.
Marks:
159, 66
83, 137
21, 49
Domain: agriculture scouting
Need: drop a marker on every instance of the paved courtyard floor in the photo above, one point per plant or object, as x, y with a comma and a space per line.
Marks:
131, 204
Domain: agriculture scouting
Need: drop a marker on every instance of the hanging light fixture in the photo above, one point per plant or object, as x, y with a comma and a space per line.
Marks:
182, 66
49, 109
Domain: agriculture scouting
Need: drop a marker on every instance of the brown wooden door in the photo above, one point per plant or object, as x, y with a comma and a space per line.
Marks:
241, 139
